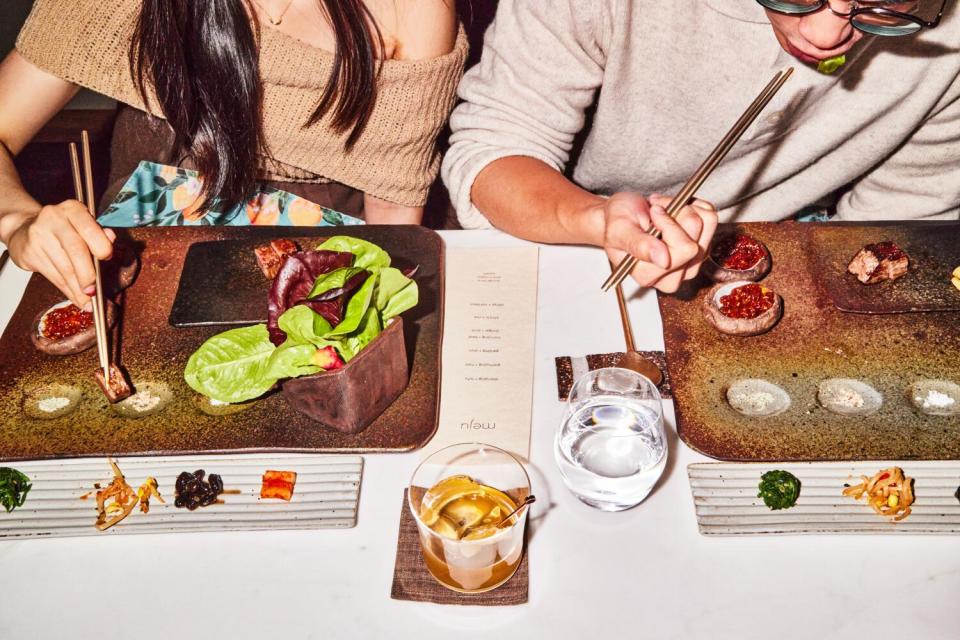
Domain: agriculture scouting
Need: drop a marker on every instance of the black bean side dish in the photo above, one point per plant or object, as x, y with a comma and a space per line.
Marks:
193, 491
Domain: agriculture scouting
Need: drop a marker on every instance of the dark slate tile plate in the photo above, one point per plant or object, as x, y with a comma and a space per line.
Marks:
934, 250
230, 267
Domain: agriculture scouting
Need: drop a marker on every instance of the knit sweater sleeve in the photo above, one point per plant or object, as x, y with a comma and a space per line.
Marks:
921, 179
542, 64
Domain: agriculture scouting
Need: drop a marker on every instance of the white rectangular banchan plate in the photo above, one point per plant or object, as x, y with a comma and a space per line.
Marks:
326, 495
726, 502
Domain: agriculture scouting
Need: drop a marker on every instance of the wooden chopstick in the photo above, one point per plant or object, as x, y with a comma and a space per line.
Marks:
706, 168
625, 320
99, 311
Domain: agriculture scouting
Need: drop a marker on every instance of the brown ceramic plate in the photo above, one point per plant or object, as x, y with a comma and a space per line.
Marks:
153, 351
813, 342
934, 250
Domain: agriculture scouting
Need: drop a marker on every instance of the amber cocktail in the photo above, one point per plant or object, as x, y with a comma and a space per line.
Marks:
468, 501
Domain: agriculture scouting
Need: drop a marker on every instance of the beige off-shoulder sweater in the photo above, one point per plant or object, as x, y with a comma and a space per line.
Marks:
86, 42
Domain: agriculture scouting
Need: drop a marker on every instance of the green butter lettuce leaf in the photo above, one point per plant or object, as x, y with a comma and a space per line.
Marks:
369, 329
356, 308
292, 360
304, 326
368, 255
404, 299
392, 281
232, 366
333, 280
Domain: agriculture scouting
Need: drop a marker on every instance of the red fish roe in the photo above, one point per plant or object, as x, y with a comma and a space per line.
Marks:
748, 301
886, 250
738, 252
67, 321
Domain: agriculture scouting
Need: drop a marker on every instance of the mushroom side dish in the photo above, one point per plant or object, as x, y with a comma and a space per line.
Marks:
64, 329
737, 257
742, 308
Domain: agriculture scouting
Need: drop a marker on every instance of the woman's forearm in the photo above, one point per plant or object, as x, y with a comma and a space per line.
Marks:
15, 203
529, 199
377, 211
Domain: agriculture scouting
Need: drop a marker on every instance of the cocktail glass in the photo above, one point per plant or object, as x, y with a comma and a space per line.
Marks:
461, 497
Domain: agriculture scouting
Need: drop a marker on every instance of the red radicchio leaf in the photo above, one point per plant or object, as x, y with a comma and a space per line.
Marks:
294, 282
332, 304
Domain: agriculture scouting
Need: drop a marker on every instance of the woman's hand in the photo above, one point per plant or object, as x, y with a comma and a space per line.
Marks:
58, 242
682, 247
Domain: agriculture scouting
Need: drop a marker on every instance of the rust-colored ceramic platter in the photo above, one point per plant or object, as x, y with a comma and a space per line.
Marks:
814, 341
151, 350
934, 250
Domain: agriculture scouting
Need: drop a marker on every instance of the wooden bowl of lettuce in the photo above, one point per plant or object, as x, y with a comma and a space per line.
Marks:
333, 341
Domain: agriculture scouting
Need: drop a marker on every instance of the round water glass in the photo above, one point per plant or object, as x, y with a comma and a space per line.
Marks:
610, 447
484, 563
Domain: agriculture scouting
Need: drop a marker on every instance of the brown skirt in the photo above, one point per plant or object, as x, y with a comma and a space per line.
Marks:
138, 136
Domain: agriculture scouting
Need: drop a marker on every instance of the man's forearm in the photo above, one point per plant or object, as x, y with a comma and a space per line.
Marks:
529, 199
15, 202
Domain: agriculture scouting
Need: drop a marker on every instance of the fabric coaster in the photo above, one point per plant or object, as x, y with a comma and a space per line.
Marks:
569, 369
412, 580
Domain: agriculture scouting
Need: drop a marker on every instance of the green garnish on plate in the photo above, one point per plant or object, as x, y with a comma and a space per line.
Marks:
14, 487
779, 489
830, 65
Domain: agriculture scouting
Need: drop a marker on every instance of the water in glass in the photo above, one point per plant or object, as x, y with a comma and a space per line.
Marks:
611, 447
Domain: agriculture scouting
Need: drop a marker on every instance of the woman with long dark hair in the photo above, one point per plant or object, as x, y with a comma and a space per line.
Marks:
338, 101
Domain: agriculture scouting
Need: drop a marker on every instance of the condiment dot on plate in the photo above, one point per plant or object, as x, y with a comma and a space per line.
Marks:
849, 397
935, 397
757, 398
150, 398
51, 401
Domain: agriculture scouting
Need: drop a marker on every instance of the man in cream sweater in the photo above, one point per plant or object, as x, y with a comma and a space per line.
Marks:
879, 139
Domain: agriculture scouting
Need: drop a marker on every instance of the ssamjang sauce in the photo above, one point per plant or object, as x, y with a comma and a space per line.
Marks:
738, 252
67, 321
886, 250
747, 301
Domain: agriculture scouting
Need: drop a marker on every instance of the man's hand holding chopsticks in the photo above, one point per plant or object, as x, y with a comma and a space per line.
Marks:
676, 256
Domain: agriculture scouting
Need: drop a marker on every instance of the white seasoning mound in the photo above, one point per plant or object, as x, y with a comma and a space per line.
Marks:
217, 403
143, 401
847, 398
758, 401
51, 405
936, 400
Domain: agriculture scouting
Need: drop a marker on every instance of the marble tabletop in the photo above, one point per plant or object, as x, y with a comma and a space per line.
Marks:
645, 572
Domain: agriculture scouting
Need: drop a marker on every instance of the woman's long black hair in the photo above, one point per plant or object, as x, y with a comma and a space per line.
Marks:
200, 58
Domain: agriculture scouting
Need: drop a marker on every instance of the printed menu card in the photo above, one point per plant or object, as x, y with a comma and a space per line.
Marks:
490, 322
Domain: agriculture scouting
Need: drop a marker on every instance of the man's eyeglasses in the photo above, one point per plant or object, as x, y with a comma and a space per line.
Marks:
883, 18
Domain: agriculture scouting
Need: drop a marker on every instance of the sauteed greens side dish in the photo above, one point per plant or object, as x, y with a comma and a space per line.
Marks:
14, 487
325, 306
779, 489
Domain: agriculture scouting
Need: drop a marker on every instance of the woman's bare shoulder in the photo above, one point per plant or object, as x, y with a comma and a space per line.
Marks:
417, 29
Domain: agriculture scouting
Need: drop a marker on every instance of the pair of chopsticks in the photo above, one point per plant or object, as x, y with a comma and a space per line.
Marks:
697, 179
99, 308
